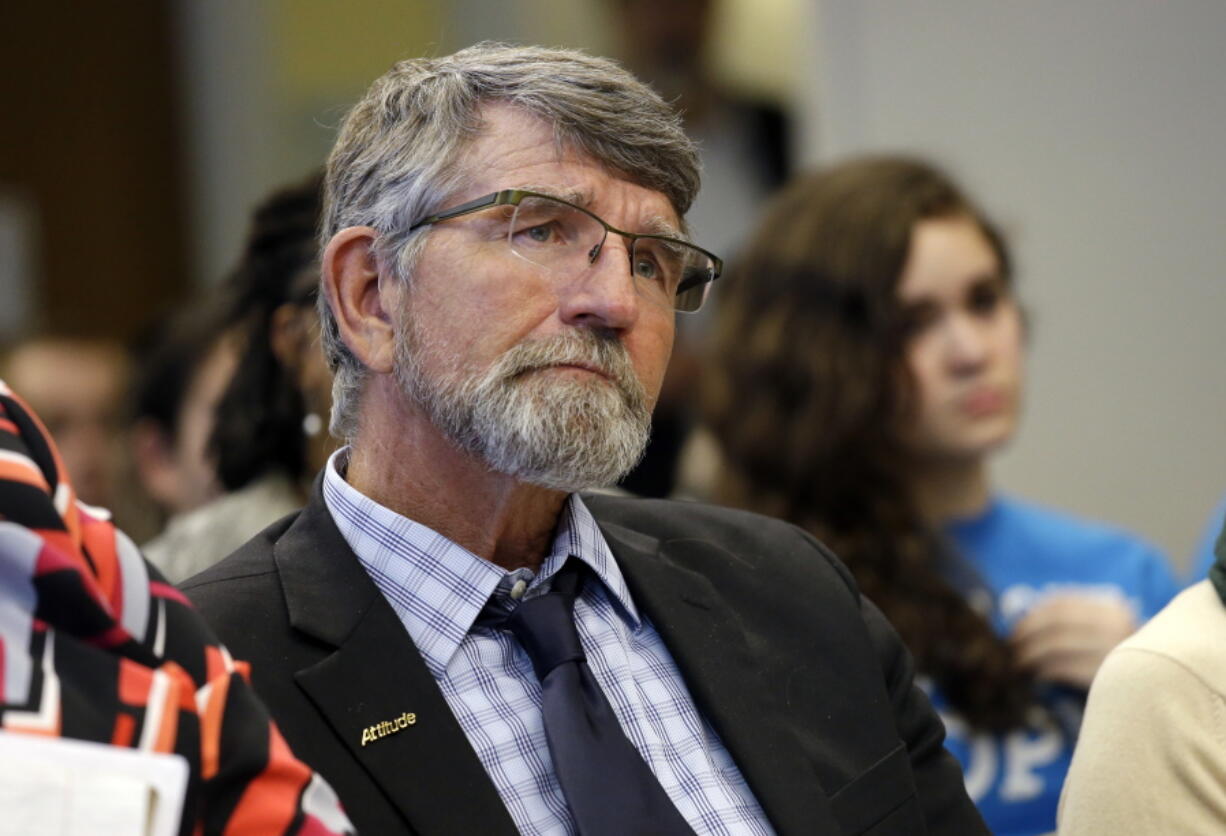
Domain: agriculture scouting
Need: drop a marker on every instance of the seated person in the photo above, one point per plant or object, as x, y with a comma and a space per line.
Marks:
456, 638
870, 364
185, 364
1151, 757
96, 646
262, 439
77, 386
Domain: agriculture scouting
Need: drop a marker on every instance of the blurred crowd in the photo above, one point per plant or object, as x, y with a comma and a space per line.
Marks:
213, 423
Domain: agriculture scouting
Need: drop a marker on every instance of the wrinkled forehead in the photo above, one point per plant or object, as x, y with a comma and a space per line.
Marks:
511, 148
654, 214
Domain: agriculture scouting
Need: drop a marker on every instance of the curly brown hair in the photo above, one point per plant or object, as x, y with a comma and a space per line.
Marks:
809, 386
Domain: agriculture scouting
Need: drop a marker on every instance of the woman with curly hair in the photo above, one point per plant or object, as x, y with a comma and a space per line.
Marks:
869, 361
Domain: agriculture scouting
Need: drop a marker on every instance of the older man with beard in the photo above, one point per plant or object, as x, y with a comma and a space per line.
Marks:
450, 633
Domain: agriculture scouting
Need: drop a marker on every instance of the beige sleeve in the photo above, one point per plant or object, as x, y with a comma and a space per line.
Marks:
1151, 757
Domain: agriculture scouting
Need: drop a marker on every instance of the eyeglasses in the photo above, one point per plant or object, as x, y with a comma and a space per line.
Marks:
566, 239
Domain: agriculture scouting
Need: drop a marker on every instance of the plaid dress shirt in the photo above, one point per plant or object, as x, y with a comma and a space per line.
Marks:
438, 589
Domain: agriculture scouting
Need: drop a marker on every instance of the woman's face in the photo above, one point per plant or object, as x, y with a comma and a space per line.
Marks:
964, 343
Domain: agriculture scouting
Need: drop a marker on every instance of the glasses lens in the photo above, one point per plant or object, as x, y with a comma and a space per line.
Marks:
678, 274
554, 235
694, 289
565, 240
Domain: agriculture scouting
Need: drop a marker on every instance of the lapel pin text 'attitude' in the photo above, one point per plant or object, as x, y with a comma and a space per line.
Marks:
380, 730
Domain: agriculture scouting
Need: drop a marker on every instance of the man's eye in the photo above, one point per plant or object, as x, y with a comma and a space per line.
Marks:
646, 268
540, 234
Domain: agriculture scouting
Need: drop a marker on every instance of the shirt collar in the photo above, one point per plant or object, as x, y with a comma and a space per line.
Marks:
438, 587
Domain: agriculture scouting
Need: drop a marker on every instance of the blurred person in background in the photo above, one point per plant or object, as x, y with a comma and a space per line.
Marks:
97, 647
77, 385
869, 363
1150, 758
744, 142
265, 436
182, 370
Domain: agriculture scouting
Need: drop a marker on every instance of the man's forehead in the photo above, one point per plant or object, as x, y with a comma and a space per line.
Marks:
654, 213
515, 149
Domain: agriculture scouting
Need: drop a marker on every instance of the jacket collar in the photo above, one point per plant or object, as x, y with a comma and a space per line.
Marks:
374, 677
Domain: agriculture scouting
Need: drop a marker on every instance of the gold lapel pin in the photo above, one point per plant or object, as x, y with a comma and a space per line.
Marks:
380, 730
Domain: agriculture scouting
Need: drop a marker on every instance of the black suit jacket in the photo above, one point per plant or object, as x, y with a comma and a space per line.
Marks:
805, 682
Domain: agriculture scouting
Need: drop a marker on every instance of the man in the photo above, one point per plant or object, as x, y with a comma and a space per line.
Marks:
497, 343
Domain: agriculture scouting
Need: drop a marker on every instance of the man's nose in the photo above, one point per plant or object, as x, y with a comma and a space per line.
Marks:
603, 294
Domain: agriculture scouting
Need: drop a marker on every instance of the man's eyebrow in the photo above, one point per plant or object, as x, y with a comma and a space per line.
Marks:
656, 225
579, 197
660, 225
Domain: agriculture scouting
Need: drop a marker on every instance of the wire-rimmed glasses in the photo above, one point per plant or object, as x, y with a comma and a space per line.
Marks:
566, 239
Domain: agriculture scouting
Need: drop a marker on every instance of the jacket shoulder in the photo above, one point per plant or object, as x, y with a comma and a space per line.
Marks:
219, 587
747, 537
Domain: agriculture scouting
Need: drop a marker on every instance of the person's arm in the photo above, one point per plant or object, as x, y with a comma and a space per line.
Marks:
938, 777
90, 583
1066, 636
1151, 756
252, 783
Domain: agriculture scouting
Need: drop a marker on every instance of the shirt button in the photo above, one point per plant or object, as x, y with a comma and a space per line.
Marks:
517, 591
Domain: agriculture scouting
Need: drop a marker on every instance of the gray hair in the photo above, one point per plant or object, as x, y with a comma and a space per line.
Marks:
396, 156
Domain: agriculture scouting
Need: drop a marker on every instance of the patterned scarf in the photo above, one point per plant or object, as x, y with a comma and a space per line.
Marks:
95, 645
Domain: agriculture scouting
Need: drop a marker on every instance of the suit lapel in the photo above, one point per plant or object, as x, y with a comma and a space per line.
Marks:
371, 682
711, 649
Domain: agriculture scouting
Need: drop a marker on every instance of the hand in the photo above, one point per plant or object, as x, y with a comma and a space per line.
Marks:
1064, 638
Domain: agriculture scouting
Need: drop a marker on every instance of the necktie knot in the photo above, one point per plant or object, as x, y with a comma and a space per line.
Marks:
545, 627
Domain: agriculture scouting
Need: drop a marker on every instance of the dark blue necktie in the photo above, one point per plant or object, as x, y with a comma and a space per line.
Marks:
610, 790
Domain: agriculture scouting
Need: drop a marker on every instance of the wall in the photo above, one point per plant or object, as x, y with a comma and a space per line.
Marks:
91, 227
265, 84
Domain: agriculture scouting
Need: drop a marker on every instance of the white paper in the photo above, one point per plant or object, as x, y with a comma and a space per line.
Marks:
57, 787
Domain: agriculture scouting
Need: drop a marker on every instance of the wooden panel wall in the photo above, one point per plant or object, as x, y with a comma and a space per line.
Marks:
89, 133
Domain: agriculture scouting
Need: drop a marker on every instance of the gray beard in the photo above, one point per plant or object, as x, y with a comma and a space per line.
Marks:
560, 433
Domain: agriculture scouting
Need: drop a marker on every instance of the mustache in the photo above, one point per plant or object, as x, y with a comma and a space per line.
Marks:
603, 354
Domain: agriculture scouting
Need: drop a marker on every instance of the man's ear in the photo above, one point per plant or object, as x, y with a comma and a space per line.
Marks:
363, 315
